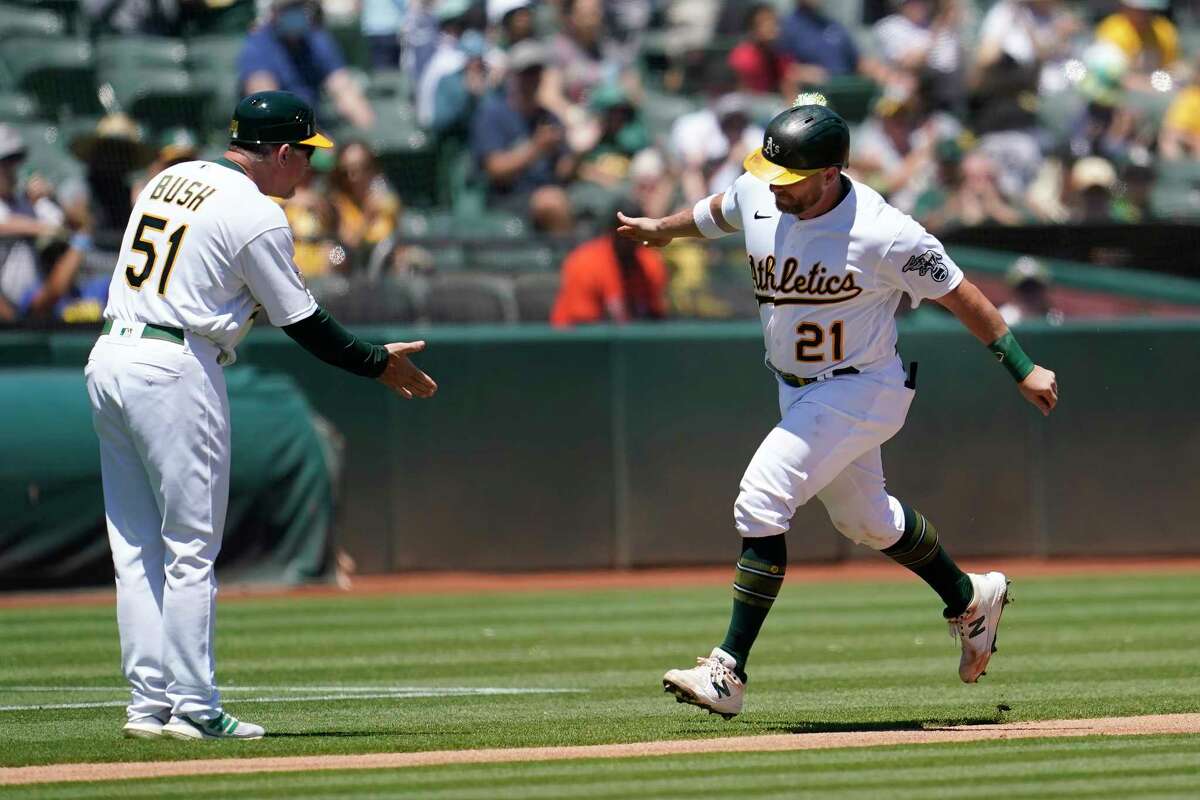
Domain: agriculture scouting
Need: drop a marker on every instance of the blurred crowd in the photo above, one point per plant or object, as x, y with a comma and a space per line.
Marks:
542, 117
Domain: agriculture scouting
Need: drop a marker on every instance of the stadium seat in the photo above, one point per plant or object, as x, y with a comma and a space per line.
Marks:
17, 22
360, 300
47, 151
406, 154
140, 52
59, 73
161, 98
851, 96
16, 107
212, 62
465, 298
389, 84
535, 294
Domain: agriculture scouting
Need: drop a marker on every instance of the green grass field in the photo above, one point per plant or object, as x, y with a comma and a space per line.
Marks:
406, 673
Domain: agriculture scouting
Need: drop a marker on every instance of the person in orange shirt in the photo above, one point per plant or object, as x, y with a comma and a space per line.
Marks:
1149, 40
611, 279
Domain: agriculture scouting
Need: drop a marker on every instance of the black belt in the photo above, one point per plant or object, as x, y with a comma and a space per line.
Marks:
151, 331
796, 381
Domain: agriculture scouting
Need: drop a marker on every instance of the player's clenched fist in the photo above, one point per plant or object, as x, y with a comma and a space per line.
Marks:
1040, 387
404, 377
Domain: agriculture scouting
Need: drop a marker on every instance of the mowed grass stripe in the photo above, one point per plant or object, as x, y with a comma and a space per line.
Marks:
831, 655
1109, 766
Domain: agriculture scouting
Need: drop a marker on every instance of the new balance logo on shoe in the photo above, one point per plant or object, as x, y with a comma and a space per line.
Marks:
977, 626
722, 688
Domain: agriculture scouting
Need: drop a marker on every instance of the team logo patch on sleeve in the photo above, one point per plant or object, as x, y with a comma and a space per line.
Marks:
928, 263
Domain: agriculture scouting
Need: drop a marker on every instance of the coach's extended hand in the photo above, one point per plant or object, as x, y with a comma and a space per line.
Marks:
404, 377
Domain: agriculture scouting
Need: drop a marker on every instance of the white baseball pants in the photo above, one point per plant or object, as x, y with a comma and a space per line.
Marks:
162, 417
827, 446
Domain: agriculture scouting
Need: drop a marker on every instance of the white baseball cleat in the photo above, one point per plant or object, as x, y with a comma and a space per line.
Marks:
221, 727
143, 728
976, 627
712, 684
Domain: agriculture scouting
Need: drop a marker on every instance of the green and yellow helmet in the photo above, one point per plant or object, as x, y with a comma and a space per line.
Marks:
800, 142
275, 117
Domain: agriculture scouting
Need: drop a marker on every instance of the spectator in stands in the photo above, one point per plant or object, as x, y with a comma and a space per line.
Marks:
512, 20
314, 222
974, 198
382, 21
448, 57
1180, 134
714, 136
418, 37
1024, 35
761, 66
611, 279
367, 209
1143, 33
102, 200
32, 234
520, 146
822, 45
1106, 126
1029, 281
1093, 180
922, 40
619, 135
294, 52
583, 54
458, 94
894, 149
653, 187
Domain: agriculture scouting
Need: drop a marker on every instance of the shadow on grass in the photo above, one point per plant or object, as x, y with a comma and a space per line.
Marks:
817, 726
335, 734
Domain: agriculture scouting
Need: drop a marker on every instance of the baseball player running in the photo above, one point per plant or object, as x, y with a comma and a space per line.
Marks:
205, 250
830, 260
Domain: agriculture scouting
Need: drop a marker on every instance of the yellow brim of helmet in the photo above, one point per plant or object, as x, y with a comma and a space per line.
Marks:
758, 166
317, 140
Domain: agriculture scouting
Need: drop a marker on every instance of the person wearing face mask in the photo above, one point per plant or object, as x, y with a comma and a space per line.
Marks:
293, 51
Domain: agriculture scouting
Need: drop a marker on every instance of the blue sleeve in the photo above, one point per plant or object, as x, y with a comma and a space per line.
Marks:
451, 101
487, 131
327, 56
851, 50
255, 57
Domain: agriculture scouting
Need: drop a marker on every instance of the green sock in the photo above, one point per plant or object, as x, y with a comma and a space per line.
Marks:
919, 551
756, 582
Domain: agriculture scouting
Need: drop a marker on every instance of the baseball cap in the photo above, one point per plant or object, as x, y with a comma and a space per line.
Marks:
1027, 268
275, 117
1093, 171
497, 10
11, 143
526, 55
799, 143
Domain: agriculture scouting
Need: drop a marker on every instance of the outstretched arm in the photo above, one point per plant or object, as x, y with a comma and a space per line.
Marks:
1037, 384
682, 225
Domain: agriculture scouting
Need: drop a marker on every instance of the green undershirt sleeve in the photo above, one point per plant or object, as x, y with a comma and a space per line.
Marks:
324, 337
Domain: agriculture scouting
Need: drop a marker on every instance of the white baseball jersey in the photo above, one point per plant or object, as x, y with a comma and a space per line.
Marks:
828, 288
203, 251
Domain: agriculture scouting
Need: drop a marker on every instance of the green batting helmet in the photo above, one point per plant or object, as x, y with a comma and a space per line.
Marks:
798, 143
275, 118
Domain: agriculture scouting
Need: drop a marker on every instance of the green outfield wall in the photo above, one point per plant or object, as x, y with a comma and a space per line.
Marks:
624, 446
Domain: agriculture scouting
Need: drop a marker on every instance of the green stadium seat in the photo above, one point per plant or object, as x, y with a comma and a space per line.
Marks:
216, 19
212, 61
162, 98
146, 52
1181, 172
851, 96
60, 73
16, 107
1175, 202
407, 156
389, 84
21, 22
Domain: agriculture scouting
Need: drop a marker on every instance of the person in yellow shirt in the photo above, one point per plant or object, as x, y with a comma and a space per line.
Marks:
367, 208
1180, 134
1144, 34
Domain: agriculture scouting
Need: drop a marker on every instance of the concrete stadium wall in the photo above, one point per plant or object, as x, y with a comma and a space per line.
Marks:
624, 447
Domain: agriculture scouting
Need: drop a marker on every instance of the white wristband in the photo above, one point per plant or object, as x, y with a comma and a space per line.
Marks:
703, 217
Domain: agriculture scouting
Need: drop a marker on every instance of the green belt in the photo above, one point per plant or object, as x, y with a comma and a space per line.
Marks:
796, 381
164, 332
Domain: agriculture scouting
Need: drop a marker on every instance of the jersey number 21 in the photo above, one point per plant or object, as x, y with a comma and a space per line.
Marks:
134, 277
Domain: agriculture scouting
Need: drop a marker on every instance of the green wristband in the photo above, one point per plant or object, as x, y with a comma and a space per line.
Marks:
1012, 357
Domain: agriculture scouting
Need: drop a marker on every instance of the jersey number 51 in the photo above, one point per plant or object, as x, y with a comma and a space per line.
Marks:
134, 277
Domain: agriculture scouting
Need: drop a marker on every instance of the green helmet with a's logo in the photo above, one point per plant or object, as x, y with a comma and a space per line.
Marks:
275, 117
801, 141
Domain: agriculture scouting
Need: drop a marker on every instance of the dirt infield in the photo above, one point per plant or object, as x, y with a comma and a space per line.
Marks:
1111, 726
458, 582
